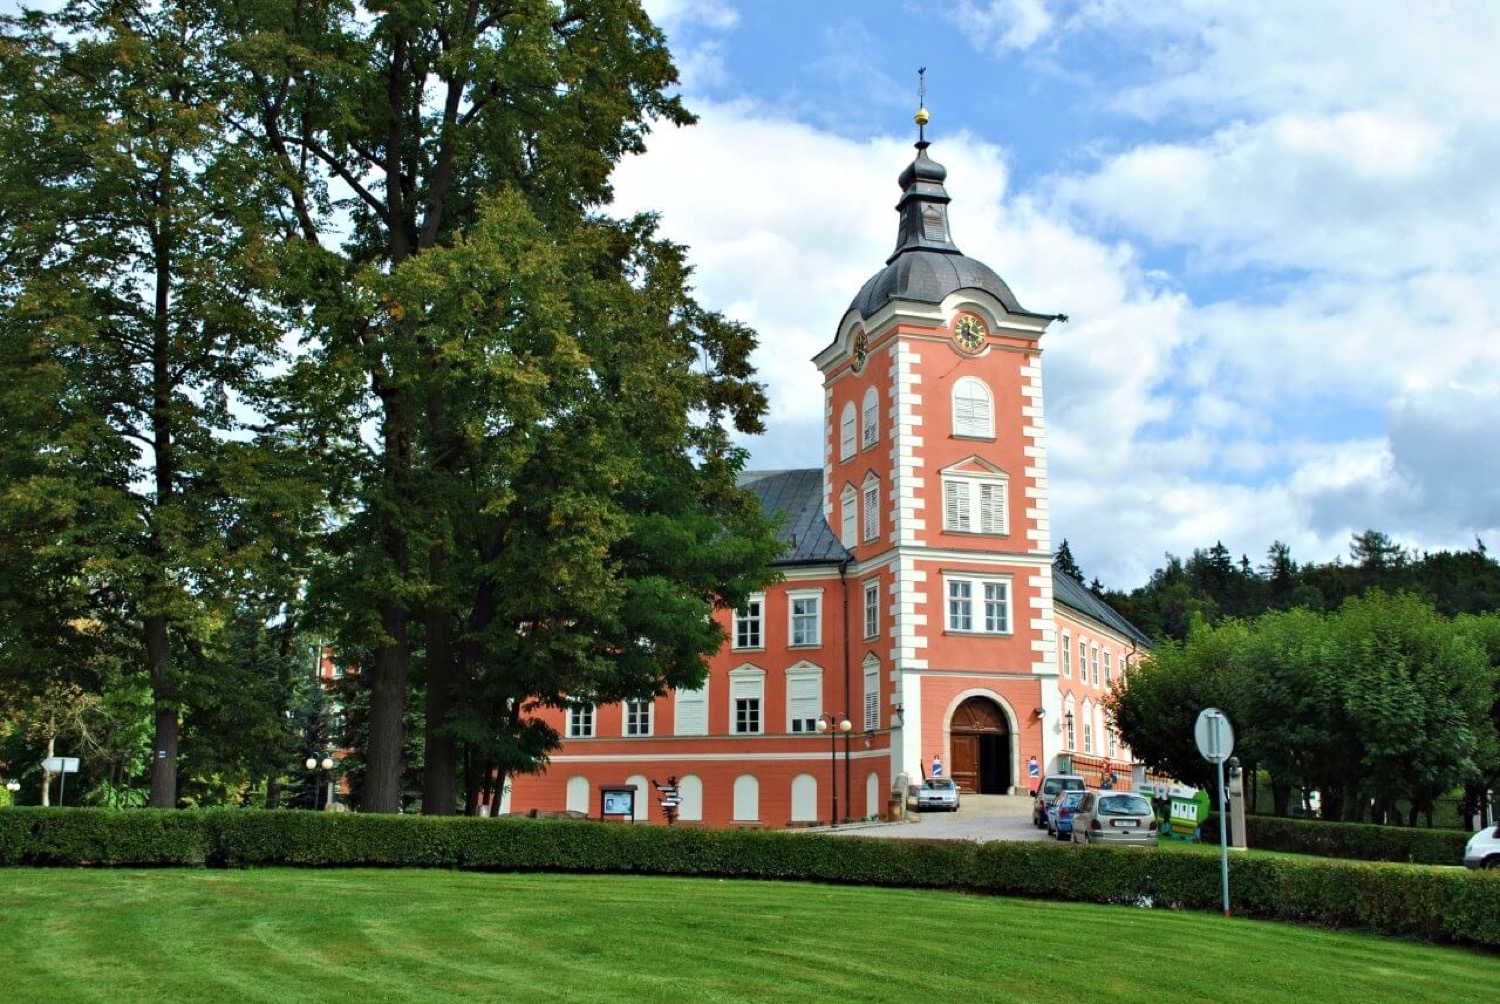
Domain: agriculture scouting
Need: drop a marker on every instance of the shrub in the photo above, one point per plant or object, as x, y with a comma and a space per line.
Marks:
1449, 905
1355, 841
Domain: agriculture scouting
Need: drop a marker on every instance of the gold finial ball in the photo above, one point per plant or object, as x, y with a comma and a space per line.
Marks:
922, 118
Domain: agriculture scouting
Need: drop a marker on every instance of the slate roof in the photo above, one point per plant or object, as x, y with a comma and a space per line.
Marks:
1071, 593
797, 496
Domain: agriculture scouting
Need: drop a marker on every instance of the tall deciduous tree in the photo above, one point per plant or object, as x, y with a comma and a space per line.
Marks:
440, 166
132, 252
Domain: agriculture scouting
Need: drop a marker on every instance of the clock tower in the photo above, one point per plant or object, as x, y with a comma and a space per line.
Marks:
935, 480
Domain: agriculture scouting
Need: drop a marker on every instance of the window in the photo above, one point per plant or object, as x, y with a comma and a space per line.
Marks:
870, 420
846, 432
847, 517
972, 414
692, 712
1067, 654
979, 605
975, 504
747, 689
806, 621
1107, 671
747, 623
872, 608
872, 694
638, 718
1083, 661
580, 721
804, 699
1095, 664
1111, 745
872, 510
1088, 738
1072, 735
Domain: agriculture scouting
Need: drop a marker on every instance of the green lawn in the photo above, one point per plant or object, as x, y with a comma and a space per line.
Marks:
369, 936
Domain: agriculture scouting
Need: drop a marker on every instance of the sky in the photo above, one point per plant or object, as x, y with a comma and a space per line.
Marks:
1272, 225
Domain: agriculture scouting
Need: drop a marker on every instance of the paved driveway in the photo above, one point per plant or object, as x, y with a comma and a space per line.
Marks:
981, 818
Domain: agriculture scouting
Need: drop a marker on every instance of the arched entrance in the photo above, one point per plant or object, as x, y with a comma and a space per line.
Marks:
980, 736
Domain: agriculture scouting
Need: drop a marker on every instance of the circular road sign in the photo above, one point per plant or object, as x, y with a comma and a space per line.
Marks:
1214, 735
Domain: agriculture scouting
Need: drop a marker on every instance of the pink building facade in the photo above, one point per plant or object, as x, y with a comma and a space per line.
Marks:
918, 601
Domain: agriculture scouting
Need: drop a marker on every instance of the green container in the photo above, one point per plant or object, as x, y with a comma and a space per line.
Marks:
1187, 813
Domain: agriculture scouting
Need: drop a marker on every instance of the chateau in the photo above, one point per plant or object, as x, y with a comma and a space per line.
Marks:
918, 601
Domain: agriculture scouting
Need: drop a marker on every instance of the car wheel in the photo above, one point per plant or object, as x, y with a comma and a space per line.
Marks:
1064, 836
1493, 861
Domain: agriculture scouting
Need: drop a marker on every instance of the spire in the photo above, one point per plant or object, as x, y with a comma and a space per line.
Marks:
924, 201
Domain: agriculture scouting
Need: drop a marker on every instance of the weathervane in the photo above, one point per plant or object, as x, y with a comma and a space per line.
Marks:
922, 118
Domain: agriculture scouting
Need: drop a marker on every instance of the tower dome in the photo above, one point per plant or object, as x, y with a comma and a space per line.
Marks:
927, 266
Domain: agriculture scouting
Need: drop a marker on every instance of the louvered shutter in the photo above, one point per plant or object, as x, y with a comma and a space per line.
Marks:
870, 433
972, 415
847, 519
956, 506
692, 712
846, 433
992, 507
872, 698
803, 702
872, 512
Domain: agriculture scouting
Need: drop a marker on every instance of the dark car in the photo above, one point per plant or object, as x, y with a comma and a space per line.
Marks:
1051, 785
1114, 817
1060, 813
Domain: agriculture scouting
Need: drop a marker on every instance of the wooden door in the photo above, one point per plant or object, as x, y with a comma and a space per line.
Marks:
965, 769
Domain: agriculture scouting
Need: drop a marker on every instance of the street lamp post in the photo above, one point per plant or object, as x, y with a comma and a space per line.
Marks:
12, 786
833, 725
313, 763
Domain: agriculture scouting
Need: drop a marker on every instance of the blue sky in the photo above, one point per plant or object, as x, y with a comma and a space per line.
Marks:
1272, 226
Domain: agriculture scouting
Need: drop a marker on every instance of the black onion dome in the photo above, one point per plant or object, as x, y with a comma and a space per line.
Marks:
927, 266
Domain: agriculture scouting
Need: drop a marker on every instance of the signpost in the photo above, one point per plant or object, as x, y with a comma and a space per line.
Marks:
670, 799
1215, 739
61, 766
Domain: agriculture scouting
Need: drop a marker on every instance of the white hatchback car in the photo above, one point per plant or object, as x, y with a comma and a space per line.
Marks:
1483, 849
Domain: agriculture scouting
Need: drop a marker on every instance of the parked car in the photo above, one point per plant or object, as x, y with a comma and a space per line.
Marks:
1483, 849
938, 793
1051, 785
1060, 813
1114, 817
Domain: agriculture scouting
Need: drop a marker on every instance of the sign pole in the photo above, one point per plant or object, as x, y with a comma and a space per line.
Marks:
1223, 838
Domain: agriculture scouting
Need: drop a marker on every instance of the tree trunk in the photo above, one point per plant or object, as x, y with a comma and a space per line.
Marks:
164, 699
440, 771
47, 774
387, 713
273, 793
1281, 797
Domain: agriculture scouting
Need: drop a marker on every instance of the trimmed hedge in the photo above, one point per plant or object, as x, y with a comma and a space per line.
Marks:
1446, 905
1354, 841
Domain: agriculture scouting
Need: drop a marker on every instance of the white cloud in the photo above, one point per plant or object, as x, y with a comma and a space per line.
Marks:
1003, 25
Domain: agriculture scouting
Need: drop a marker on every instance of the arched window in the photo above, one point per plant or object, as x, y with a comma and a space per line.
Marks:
746, 799
973, 413
804, 799
642, 798
846, 431
690, 799
870, 420
578, 794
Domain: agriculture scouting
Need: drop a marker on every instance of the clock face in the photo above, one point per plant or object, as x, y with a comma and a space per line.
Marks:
968, 332
861, 351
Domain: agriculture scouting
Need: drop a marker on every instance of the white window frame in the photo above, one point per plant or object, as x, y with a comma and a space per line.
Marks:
1083, 659
747, 684
751, 619
974, 503
872, 608
1094, 664
973, 413
804, 685
638, 718
847, 423
695, 701
871, 499
1067, 656
580, 721
872, 693
849, 517
1070, 717
1108, 668
967, 600
869, 433
795, 633
1088, 737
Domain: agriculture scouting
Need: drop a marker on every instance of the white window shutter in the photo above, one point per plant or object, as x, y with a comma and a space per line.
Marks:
692, 712
870, 422
872, 512
872, 698
992, 507
956, 506
804, 701
847, 519
846, 432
